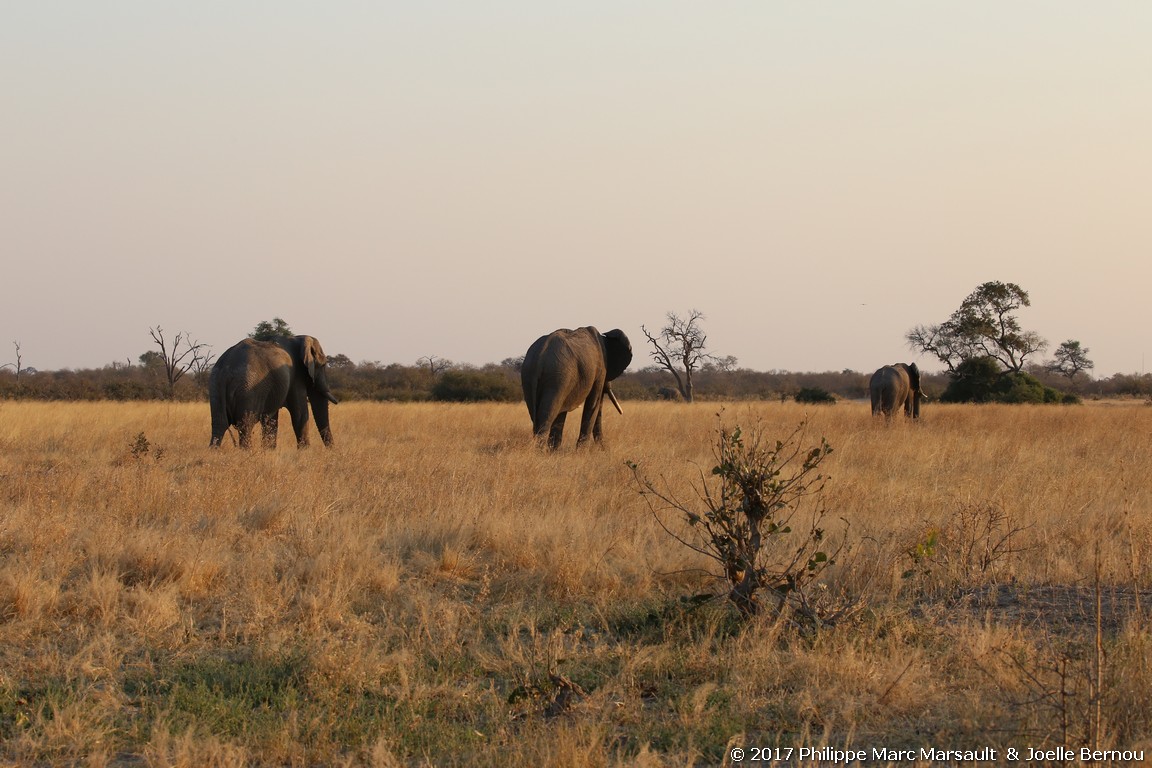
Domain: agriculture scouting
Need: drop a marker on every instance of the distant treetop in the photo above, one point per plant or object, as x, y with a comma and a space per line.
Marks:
267, 331
985, 326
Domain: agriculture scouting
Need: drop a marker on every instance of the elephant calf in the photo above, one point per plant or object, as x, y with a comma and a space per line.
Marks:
253, 380
567, 368
896, 386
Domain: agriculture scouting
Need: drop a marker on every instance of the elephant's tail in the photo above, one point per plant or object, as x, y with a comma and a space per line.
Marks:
222, 416
541, 407
536, 408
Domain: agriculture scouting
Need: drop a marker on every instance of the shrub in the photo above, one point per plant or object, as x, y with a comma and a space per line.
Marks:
1026, 388
475, 386
814, 395
980, 380
1016, 387
370, 381
973, 381
745, 523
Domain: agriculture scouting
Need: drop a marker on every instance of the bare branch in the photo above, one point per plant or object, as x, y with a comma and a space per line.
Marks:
434, 363
18, 366
679, 347
178, 362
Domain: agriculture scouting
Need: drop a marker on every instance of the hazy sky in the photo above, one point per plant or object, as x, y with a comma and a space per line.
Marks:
457, 178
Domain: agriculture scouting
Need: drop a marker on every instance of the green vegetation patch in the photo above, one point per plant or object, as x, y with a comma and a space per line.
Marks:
256, 698
230, 695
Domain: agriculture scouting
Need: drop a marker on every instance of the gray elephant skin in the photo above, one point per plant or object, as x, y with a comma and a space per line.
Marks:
896, 386
568, 368
253, 380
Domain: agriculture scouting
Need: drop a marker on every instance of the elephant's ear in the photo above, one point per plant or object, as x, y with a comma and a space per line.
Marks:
313, 356
617, 353
914, 376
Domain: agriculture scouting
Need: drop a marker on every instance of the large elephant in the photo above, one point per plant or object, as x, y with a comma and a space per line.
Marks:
896, 386
567, 368
253, 380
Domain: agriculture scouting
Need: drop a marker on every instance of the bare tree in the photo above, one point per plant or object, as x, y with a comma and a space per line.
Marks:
177, 361
679, 349
201, 366
434, 364
18, 366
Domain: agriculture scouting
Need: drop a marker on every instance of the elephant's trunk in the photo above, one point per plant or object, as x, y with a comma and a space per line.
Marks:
612, 397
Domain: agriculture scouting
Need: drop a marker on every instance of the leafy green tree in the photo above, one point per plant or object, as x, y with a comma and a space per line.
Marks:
1070, 359
985, 326
151, 360
338, 361
268, 331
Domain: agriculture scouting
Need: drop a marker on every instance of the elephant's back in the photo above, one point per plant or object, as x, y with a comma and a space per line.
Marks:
561, 368
251, 375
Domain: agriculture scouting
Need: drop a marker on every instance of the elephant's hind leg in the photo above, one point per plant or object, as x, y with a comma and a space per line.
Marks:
556, 432
270, 425
244, 428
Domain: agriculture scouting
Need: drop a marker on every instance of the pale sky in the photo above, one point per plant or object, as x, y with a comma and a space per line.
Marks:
458, 178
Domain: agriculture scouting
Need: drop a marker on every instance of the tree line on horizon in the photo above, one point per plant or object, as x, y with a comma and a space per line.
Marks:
442, 380
982, 346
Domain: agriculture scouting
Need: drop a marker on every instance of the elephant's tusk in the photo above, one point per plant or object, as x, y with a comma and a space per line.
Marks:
332, 398
612, 397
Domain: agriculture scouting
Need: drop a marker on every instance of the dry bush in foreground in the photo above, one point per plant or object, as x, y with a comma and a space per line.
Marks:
437, 591
741, 515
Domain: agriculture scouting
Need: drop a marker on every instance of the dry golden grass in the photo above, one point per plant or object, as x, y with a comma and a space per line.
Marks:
435, 590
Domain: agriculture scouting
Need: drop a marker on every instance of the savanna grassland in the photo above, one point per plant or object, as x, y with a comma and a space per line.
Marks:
437, 591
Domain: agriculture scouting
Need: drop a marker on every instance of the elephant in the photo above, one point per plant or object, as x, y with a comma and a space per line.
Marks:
253, 380
567, 368
896, 386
